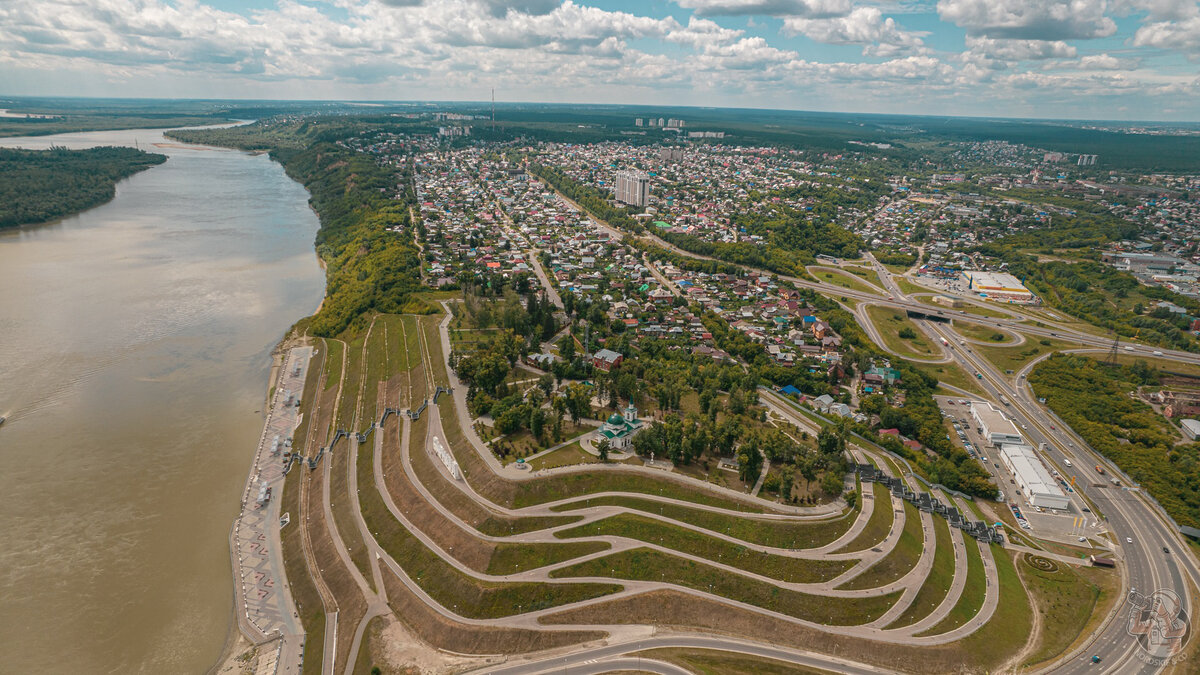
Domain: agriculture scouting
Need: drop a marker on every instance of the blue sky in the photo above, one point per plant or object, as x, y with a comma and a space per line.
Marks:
1094, 59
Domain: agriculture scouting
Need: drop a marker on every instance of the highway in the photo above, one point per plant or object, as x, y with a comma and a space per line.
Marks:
1126, 515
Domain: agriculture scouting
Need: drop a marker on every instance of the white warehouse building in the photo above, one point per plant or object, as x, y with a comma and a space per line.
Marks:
1036, 483
994, 425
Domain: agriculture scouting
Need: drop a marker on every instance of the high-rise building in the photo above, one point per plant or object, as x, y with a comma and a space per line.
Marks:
638, 122
671, 154
633, 187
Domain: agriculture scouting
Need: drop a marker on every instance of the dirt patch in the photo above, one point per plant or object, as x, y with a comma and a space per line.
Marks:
395, 650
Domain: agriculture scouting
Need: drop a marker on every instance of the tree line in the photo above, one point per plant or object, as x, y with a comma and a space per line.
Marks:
37, 186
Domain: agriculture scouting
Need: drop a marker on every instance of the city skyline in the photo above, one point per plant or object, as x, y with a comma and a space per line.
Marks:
1088, 59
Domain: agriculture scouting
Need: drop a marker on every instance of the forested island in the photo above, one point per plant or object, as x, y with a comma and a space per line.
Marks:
37, 186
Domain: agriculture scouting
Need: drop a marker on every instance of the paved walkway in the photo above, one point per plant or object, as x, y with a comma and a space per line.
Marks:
264, 603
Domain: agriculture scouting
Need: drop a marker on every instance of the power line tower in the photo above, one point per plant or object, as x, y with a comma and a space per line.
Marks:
1112, 352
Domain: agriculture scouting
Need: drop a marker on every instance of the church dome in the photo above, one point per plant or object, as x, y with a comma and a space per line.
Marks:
616, 419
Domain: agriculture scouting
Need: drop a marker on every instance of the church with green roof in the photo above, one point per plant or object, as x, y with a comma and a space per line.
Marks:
620, 429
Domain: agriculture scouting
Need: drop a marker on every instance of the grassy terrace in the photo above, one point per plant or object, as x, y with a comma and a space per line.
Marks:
937, 585
304, 591
899, 561
343, 512
983, 651
1009, 627
333, 361
647, 565
971, 600
461, 544
686, 541
413, 385
780, 534
890, 323
878, 525
470, 511
444, 633
452, 588
352, 380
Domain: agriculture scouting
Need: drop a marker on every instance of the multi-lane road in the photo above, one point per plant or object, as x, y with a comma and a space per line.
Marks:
1140, 533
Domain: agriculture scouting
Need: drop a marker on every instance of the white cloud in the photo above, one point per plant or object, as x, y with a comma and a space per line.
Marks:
1158, 10
703, 33
1183, 36
572, 51
1019, 50
808, 8
1105, 62
1029, 19
863, 26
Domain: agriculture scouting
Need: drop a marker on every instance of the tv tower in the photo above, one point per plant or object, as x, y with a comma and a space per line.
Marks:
493, 109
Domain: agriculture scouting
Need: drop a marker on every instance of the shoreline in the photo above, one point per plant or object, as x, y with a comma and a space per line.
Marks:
248, 635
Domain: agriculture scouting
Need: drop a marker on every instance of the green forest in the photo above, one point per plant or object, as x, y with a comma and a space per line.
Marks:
1091, 290
1093, 398
37, 186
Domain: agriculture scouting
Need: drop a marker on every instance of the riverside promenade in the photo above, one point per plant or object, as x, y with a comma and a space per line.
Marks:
264, 608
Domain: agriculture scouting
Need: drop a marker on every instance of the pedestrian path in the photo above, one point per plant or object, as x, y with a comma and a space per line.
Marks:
264, 604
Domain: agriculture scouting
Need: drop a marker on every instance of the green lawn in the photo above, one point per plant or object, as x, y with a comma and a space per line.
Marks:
975, 331
647, 565
1015, 358
890, 323
971, 600
878, 525
866, 273
937, 585
780, 534
567, 455
653, 531
1065, 601
951, 374
899, 561
333, 361
512, 558
837, 277
1010, 625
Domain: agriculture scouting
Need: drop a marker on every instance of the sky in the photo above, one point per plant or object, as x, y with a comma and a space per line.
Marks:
1080, 59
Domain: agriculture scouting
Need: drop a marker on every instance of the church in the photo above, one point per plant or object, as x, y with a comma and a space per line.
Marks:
620, 429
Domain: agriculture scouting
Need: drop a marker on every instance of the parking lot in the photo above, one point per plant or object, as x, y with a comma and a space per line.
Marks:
1067, 526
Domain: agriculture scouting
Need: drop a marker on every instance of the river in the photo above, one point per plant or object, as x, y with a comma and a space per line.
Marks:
135, 345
